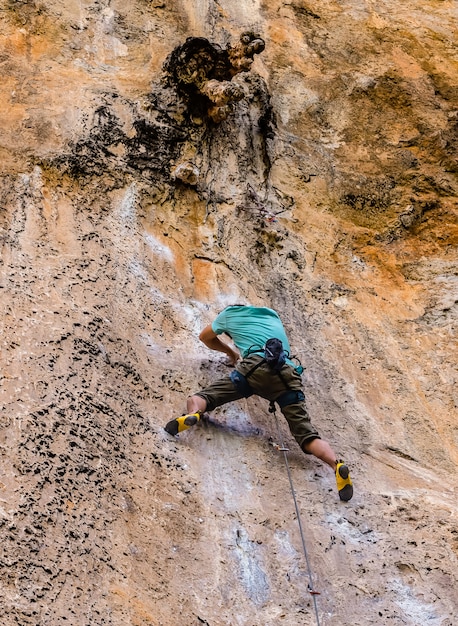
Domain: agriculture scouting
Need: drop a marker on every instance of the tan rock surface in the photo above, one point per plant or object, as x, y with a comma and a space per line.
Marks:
329, 192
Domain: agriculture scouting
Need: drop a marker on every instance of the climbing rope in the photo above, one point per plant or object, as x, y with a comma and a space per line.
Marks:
285, 450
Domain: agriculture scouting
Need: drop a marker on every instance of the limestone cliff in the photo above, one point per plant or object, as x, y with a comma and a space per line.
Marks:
160, 160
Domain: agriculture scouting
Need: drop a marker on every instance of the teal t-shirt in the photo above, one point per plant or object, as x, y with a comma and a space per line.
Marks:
250, 327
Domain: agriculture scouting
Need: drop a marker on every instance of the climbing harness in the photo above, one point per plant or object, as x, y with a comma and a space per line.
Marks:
275, 356
282, 448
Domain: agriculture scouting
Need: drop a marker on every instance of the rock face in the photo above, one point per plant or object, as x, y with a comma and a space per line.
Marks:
316, 176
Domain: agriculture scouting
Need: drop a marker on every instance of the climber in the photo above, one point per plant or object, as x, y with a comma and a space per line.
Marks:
270, 374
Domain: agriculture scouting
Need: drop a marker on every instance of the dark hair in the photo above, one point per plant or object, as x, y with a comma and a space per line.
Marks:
230, 306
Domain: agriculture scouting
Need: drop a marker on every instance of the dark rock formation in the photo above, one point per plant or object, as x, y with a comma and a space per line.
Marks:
203, 71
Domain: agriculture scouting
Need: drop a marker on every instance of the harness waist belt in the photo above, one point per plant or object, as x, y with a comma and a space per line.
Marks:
240, 382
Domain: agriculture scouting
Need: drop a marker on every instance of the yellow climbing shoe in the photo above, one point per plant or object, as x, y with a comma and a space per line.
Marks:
179, 424
344, 484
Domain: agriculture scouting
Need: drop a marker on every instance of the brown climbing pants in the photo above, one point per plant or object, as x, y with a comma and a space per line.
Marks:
269, 385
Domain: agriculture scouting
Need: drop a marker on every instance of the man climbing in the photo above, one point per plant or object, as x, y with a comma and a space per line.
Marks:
266, 370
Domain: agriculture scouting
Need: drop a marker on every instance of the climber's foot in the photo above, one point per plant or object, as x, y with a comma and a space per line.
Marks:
179, 424
343, 480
